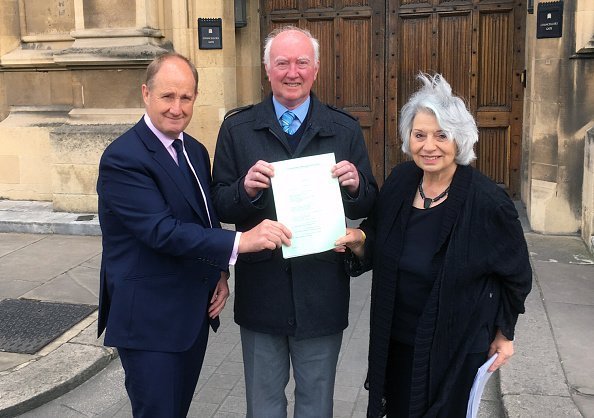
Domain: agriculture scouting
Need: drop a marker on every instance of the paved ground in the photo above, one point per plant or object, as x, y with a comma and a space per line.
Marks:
551, 375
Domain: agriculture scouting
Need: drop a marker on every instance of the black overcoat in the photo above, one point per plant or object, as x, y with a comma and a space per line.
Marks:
483, 276
305, 296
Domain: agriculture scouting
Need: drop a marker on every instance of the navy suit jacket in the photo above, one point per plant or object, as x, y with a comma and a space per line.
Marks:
161, 259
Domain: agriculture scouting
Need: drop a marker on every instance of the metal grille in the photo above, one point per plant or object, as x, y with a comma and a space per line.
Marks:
28, 325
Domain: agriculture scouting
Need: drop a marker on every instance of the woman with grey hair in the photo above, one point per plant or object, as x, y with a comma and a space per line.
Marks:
450, 265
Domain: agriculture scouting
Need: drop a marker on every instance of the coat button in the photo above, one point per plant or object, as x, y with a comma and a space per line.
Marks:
291, 321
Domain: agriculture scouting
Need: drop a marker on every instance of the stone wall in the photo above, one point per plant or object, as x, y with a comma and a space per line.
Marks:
70, 78
25, 152
52, 153
558, 111
76, 150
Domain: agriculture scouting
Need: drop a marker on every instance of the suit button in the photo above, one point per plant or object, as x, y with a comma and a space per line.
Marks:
205, 280
288, 269
291, 321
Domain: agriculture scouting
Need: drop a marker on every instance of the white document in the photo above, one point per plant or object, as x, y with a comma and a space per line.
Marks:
480, 380
309, 203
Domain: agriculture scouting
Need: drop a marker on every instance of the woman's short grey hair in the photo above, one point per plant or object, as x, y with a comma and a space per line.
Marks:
268, 42
435, 97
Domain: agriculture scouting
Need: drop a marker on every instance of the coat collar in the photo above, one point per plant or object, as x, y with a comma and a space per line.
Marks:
407, 188
319, 123
454, 203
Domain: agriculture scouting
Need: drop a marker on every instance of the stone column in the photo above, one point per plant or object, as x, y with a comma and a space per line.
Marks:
9, 25
31, 102
9, 40
249, 57
217, 90
588, 192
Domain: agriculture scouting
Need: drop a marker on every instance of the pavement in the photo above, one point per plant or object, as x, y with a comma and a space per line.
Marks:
52, 256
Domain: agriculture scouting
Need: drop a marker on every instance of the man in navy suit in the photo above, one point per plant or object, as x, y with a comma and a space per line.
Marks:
165, 258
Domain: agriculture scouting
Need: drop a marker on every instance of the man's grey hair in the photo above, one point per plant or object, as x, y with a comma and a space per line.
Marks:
435, 97
268, 42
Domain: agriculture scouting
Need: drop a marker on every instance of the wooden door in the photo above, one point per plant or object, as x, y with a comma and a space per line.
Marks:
479, 48
371, 52
351, 75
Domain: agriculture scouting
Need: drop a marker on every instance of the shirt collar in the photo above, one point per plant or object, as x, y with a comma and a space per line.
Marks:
300, 111
165, 140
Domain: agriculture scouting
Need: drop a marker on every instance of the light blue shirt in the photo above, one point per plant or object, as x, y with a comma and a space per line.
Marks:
300, 112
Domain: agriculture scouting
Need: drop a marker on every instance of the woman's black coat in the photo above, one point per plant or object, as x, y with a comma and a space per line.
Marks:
483, 276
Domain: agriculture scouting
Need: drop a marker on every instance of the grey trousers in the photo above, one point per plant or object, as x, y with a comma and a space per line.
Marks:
267, 360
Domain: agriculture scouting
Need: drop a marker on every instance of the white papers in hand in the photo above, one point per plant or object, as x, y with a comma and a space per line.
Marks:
309, 203
480, 380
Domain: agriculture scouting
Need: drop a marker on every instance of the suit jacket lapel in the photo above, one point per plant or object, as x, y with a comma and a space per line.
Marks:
204, 177
163, 158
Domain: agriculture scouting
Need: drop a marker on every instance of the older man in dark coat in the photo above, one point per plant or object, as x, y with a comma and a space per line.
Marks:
294, 310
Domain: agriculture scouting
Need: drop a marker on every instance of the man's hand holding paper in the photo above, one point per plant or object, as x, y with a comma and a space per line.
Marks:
258, 178
348, 176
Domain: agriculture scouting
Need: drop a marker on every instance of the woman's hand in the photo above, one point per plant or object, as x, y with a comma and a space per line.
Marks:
354, 240
503, 347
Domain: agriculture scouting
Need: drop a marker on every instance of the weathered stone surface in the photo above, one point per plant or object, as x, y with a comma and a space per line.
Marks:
522, 406
54, 375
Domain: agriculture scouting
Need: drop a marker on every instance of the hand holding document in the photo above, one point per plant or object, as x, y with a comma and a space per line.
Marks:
309, 203
476, 392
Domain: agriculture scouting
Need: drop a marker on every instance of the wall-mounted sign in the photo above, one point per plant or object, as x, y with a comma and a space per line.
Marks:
549, 20
210, 33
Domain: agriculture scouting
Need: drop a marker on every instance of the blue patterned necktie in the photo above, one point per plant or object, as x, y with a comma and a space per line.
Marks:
286, 119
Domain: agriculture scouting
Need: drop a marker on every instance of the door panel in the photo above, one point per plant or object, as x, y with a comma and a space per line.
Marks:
494, 101
414, 31
493, 152
324, 87
455, 45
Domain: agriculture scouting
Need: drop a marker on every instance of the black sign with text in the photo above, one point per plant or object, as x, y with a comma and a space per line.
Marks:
549, 20
210, 33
